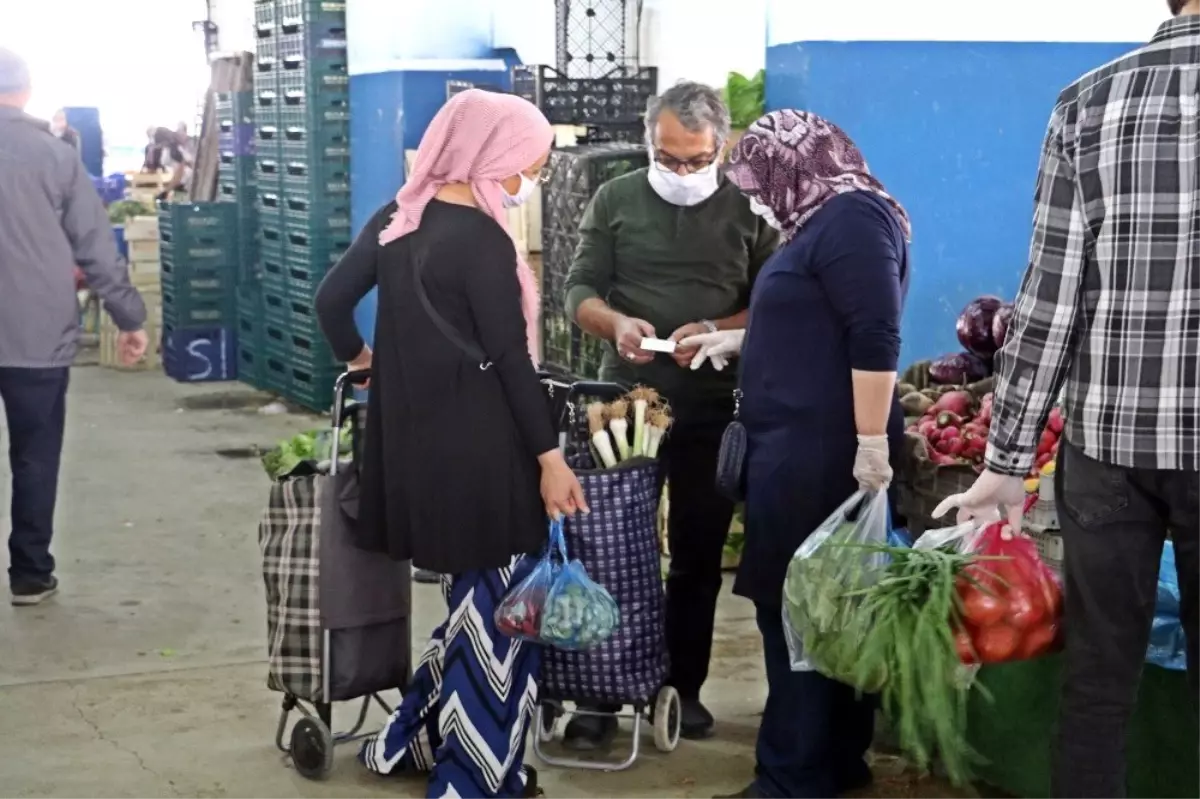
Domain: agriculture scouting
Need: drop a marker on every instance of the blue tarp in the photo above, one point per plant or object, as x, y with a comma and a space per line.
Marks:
1167, 643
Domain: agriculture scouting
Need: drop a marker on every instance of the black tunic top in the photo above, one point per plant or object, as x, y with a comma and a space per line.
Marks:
450, 477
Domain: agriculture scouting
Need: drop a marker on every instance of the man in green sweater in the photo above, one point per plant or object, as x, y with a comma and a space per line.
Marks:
668, 252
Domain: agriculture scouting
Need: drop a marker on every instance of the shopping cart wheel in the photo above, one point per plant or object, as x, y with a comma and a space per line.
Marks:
548, 715
312, 748
667, 719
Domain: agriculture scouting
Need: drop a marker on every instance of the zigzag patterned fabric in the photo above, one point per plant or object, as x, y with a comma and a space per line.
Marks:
465, 716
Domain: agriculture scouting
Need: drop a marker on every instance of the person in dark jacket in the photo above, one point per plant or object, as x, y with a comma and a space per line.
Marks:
51, 219
670, 251
819, 404
459, 434
64, 132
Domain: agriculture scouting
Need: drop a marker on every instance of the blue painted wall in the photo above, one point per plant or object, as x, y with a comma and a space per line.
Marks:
389, 112
954, 130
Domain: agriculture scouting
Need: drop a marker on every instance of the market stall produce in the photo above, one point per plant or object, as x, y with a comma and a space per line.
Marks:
911, 624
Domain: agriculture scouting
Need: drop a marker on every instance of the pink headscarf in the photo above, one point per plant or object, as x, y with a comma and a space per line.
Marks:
479, 138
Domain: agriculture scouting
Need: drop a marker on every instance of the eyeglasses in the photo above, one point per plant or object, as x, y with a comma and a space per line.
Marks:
669, 163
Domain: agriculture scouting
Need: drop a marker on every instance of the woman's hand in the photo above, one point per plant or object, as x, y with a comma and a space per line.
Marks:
362, 361
560, 487
871, 467
717, 347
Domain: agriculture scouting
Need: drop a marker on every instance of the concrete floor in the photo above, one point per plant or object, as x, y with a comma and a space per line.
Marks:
145, 676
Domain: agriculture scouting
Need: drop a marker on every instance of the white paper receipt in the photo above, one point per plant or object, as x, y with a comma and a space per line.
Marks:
658, 345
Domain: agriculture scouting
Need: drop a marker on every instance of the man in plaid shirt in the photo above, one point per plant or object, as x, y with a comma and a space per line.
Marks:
1110, 307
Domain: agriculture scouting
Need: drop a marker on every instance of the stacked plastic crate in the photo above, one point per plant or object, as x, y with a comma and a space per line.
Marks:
199, 258
236, 185
302, 97
597, 84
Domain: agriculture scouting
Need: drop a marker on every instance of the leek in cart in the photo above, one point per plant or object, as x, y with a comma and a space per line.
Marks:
617, 414
643, 399
600, 440
659, 420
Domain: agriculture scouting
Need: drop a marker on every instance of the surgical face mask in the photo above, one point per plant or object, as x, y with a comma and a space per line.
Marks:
523, 193
690, 189
767, 215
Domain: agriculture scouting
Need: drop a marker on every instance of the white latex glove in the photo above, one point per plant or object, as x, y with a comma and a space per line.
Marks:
716, 347
986, 496
871, 467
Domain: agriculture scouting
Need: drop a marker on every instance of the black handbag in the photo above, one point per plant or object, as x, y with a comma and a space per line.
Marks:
731, 459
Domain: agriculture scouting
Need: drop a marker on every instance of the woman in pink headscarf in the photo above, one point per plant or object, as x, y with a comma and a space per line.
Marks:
459, 441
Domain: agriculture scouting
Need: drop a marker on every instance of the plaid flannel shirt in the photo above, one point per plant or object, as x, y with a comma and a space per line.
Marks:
1110, 303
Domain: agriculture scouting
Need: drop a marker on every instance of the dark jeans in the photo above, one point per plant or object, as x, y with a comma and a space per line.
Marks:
697, 528
35, 404
814, 732
1114, 521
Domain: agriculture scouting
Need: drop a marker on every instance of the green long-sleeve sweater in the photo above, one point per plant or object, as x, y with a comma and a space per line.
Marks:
669, 265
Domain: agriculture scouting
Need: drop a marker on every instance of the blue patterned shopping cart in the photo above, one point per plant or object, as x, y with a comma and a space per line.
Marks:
618, 545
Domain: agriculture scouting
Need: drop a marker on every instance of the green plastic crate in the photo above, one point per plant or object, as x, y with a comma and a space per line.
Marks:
304, 143
296, 315
316, 46
330, 215
319, 246
303, 275
236, 108
276, 374
187, 225
330, 111
198, 280
268, 138
274, 275
292, 15
298, 348
317, 179
269, 203
270, 239
312, 390
268, 170
184, 309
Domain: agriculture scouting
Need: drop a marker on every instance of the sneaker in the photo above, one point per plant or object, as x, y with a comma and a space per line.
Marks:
33, 592
695, 723
587, 733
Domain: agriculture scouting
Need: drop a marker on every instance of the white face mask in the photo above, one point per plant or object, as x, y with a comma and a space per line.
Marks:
690, 189
527, 187
768, 216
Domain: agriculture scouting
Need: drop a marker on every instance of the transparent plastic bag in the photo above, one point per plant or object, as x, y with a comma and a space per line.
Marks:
1009, 600
578, 612
520, 613
835, 561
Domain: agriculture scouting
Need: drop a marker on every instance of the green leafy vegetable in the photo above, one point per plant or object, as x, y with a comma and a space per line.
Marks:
314, 446
122, 211
746, 98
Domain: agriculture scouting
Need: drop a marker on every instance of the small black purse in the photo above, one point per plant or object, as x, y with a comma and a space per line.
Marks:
731, 459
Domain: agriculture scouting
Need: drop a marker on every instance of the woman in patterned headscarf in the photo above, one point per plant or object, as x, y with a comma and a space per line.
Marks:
818, 403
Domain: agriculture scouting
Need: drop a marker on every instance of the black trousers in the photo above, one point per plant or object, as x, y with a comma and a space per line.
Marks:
1114, 521
35, 405
697, 528
815, 731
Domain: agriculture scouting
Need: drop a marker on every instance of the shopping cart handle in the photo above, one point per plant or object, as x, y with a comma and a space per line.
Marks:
355, 377
594, 388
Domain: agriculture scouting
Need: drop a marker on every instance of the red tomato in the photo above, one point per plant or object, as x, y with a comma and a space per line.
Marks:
996, 644
964, 647
981, 608
1051, 597
1024, 608
1038, 641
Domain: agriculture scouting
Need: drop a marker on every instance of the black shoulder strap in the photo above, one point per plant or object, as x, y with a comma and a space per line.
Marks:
473, 352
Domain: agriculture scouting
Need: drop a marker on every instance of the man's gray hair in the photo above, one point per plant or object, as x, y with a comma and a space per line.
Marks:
697, 106
14, 72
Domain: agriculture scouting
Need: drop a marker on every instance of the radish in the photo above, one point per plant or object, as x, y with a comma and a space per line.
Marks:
949, 419
956, 402
1054, 423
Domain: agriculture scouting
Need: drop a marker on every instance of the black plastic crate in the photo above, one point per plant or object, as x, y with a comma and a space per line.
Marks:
593, 36
575, 175
265, 18
293, 15
619, 98
303, 142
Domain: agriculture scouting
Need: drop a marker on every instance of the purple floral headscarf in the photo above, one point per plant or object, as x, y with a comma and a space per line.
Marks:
793, 162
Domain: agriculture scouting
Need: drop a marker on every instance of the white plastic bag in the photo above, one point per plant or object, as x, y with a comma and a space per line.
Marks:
837, 559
